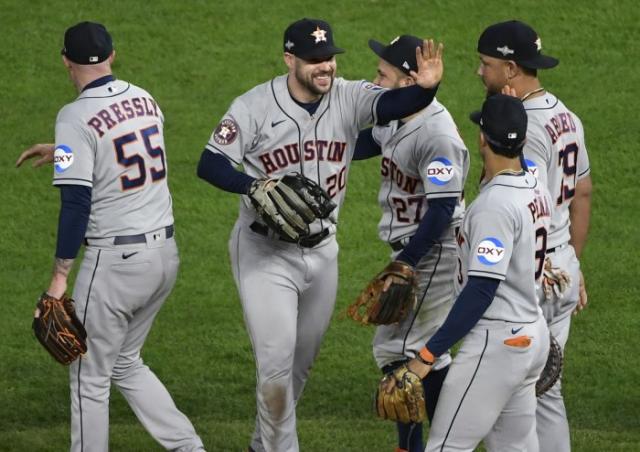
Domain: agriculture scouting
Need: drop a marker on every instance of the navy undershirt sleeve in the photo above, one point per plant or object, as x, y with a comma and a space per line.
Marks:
75, 207
402, 102
366, 146
217, 170
431, 227
472, 302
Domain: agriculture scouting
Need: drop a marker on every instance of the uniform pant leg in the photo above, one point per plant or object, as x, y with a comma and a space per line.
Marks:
315, 308
551, 414
90, 376
267, 274
145, 393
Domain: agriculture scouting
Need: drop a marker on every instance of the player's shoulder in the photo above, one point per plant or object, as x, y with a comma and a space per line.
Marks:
261, 96
437, 126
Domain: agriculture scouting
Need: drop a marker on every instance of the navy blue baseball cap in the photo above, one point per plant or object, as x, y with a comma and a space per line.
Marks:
87, 43
503, 121
516, 41
310, 39
401, 52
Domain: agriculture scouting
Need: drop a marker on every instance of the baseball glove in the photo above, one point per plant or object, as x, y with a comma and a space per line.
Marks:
405, 402
552, 369
58, 329
378, 307
290, 204
554, 281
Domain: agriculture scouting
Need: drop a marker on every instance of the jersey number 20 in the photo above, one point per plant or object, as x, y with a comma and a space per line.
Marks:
137, 159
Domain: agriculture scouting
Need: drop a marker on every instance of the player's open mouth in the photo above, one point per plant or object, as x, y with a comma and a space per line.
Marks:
323, 79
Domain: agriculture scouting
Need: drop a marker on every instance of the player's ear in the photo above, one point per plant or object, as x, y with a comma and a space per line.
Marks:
289, 60
66, 62
407, 81
512, 69
112, 56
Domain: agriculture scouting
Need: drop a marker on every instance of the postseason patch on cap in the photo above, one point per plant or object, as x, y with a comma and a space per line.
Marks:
62, 158
440, 171
490, 251
226, 132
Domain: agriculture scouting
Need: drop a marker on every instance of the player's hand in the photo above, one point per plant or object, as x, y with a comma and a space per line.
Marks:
429, 62
582, 296
43, 150
419, 368
390, 279
509, 91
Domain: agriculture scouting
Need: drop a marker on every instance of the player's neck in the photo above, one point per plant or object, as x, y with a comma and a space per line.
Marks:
495, 164
83, 78
529, 88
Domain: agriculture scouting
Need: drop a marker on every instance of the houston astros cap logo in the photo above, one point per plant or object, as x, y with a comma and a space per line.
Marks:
319, 34
505, 50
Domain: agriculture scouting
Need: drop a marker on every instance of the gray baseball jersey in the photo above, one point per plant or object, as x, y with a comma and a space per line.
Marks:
422, 160
111, 139
288, 290
556, 153
267, 132
503, 232
502, 237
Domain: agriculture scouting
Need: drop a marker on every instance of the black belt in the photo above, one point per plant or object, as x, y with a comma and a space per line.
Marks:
555, 248
138, 238
305, 242
397, 246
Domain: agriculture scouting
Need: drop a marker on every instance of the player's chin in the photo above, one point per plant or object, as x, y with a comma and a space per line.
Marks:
322, 83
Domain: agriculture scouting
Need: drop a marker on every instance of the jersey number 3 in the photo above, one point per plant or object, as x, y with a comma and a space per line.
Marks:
137, 159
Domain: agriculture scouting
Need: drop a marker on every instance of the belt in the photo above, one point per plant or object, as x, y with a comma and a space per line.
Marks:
305, 242
138, 238
556, 248
399, 245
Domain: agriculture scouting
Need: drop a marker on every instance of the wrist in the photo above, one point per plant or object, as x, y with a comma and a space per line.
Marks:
426, 357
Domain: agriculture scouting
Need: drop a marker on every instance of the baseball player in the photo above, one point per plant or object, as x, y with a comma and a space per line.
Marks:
555, 151
111, 169
305, 121
489, 391
424, 166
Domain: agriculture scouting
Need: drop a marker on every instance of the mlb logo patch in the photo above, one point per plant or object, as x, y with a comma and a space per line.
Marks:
490, 251
62, 158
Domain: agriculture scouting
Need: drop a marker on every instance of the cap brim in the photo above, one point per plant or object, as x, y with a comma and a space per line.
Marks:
475, 116
377, 47
539, 62
323, 52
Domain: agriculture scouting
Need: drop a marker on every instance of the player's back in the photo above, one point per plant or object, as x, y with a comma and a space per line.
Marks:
111, 139
556, 150
505, 231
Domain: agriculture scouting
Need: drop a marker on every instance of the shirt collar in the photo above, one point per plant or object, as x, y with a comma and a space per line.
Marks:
99, 82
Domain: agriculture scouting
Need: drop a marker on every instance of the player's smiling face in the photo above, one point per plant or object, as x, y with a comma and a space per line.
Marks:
314, 77
493, 72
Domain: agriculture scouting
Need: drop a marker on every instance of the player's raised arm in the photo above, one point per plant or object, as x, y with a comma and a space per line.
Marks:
42, 150
430, 66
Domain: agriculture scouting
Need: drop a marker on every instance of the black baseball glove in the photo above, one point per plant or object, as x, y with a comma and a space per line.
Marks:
552, 369
290, 204
58, 329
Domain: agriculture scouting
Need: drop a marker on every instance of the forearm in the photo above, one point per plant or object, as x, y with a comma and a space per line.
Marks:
366, 146
580, 215
402, 102
469, 307
431, 227
217, 170
61, 270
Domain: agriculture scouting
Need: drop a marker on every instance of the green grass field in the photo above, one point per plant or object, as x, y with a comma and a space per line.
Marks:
195, 57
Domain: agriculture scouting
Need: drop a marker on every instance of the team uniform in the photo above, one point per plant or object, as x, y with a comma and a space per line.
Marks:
288, 290
110, 139
489, 392
422, 160
556, 153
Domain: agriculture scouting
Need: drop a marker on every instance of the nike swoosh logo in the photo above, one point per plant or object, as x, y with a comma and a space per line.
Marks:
515, 330
273, 124
127, 256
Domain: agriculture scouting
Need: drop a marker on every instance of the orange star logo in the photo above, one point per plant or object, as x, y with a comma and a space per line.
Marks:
320, 35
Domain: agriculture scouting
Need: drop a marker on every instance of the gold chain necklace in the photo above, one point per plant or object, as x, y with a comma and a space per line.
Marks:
531, 93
